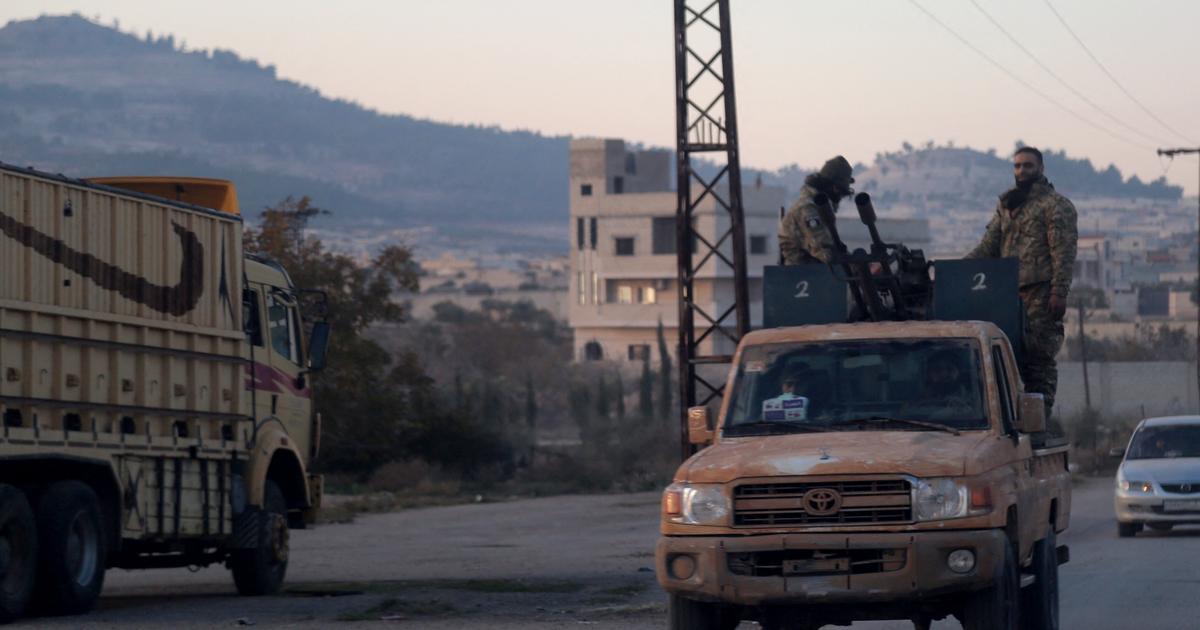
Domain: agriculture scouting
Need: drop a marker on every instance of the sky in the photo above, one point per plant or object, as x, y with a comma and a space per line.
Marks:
814, 79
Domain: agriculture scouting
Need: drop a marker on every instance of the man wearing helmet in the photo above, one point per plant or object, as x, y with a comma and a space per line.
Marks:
806, 233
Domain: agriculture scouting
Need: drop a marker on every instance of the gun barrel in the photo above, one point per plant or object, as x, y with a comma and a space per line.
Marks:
866, 209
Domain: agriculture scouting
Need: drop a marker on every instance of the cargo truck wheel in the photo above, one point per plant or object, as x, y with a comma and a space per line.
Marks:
998, 606
70, 549
18, 553
1039, 601
260, 571
1125, 530
688, 614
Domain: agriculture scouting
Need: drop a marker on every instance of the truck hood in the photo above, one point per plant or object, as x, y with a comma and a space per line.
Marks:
918, 453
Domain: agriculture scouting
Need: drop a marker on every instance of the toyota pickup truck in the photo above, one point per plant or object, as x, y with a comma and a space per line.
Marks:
883, 470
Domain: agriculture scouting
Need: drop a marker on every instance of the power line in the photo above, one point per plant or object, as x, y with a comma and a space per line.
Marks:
1058, 78
1012, 75
1110, 75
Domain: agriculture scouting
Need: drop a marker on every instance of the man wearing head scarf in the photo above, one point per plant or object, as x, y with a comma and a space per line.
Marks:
807, 231
1037, 226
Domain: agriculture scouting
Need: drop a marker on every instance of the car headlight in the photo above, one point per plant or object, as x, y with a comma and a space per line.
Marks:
940, 499
1135, 487
695, 504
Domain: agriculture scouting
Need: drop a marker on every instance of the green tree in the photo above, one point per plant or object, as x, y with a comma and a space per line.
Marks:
664, 380
646, 390
620, 395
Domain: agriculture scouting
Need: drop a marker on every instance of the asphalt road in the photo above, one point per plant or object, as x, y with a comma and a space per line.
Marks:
583, 561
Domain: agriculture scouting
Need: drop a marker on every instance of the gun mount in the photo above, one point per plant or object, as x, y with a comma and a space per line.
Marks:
890, 282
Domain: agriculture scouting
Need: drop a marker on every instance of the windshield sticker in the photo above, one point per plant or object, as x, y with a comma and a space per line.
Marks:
785, 408
753, 367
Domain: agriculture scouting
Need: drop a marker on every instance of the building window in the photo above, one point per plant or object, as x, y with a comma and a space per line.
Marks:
594, 230
579, 232
758, 244
582, 288
585, 190
630, 164
624, 294
618, 185
647, 295
624, 245
595, 288
592, 351
639, 352
663, 235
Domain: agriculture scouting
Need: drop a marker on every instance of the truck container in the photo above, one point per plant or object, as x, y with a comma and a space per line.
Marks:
154, 389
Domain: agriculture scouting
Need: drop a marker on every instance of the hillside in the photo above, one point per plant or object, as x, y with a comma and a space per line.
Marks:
85, 99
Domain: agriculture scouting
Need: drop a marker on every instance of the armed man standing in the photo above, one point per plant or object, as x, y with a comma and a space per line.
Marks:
807, 231
1037, 226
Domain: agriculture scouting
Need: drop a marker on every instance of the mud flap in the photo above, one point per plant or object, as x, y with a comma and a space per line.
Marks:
1063, 553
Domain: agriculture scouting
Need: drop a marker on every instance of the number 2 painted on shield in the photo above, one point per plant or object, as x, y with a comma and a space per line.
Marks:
980, 282
802, 289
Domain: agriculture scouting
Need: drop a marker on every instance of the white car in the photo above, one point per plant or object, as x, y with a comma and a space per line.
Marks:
1158, 482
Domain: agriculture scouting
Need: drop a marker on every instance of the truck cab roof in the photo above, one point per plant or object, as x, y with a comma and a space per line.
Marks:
981, 330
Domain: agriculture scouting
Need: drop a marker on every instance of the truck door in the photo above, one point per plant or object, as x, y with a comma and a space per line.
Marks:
287, 361
1022, 458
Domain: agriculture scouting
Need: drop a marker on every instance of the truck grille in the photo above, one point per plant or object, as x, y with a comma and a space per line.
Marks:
1182, 488
860, 502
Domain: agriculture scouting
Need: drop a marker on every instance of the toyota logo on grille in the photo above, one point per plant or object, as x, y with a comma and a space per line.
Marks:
822, 501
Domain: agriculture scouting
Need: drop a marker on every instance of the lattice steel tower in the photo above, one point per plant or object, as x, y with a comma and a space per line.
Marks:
706, 125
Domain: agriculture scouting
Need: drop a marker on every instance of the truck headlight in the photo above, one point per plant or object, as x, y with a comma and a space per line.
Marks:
695, 504
940, 499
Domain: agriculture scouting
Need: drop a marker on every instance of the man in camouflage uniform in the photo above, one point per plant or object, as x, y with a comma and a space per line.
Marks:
1037, 226
806, 233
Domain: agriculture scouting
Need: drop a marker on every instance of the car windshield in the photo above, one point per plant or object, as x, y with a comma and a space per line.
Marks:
865, 384
1181, 440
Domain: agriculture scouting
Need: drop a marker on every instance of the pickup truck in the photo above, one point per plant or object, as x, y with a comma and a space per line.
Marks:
880, 470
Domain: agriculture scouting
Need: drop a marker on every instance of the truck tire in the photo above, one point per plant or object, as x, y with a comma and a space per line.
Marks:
998, 606
688, 614
1039, 601
18, 553
260, 571
71, 549
1126, 530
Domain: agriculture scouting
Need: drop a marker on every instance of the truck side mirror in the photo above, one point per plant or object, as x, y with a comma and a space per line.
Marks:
1031, 418
318, 343
699, 431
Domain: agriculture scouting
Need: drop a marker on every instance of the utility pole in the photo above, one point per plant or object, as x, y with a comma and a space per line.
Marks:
1087, 387
1173, 153
706, 128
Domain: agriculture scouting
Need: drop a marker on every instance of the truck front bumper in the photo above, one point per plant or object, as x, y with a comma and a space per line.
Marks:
826, 568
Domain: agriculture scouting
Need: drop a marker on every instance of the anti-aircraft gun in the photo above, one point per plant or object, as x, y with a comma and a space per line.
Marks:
890, 282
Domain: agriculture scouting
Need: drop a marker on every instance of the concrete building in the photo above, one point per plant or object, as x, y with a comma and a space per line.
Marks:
623, 258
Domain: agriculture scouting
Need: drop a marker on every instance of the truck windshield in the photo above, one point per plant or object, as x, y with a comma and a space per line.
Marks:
1166, 442
864, 384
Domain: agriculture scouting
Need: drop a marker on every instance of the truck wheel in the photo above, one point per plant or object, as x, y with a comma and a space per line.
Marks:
996, 607
71, 549
1125, 530
1039, 601
260, 571
18, 553
688, 614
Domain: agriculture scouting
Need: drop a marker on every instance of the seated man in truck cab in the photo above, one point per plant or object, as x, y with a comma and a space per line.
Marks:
943, 380
790, 405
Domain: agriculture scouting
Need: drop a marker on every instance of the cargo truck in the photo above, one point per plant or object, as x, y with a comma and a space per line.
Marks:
155, 389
